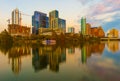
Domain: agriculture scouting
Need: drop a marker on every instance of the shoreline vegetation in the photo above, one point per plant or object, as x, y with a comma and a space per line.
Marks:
68, 38
7, 42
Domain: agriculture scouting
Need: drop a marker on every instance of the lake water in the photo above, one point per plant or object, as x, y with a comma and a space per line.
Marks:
83, 62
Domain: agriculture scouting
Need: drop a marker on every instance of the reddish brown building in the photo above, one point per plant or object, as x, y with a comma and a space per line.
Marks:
97, 32
88, 29
16, 30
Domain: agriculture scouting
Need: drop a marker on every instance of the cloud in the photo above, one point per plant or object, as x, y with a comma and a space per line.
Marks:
103, 12
84, 2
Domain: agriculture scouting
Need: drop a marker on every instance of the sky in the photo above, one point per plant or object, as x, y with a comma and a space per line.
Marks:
105, 13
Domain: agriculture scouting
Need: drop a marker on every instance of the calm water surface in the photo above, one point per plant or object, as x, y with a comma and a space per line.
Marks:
88, 62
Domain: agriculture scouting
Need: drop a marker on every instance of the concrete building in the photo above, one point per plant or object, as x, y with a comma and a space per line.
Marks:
113, 33
17, 30
16, 17
39, 20
88, 29
83, 26
97, 32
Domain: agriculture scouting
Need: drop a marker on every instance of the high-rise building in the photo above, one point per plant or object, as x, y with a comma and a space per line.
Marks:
62, 24
39, 20
47, 22
83, 26
54, 19
88, 29
16, 17
55, 22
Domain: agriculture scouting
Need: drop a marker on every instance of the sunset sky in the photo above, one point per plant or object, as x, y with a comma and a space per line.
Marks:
105, 13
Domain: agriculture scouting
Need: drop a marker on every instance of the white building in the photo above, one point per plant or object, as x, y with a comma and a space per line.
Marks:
16, 17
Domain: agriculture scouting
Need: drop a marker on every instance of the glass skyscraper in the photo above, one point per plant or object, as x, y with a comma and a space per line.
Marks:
83, 26
39, 20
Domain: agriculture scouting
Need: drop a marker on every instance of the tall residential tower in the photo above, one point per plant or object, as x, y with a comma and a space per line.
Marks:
53, 19
15, 17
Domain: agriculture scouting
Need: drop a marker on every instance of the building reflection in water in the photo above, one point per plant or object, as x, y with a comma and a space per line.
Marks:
113, 46
88, 49
15, 54
39, 61
71, 50
48, 55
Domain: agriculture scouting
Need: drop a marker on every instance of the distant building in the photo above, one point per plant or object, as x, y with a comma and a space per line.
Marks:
55, 22
83, 26
97, 32
71, 30
17, 30
62, 24
16, 17
53, 19
47, 22
88, 29
39, 20
113, 33
101, 32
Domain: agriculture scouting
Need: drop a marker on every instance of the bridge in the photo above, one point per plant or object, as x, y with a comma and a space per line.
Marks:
110, 39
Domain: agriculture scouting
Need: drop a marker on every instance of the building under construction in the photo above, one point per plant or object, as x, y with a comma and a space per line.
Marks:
16, 28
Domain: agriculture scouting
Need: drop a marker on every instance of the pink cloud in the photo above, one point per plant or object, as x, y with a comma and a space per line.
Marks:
105, 6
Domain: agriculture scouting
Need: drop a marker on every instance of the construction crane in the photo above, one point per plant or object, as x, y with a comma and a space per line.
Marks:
20, 13
20, 18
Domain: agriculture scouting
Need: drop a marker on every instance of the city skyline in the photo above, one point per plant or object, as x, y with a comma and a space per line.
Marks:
97, 12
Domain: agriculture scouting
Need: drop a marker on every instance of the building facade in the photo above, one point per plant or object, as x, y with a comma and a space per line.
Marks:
62, 24
17, 30
113, 33
53, 19
39, 20
16, 17
97, 32
71, 30
83, 26
88, 29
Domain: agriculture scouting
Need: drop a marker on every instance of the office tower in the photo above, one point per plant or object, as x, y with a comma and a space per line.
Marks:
83, 26
54, 19
47, 22
88, 29
62, 23
38, 21
16, 17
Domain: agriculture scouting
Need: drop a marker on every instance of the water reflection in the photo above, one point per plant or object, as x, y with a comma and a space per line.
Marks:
89, 61
15, 54
113, 46
88, 49
48, 55
71, 50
